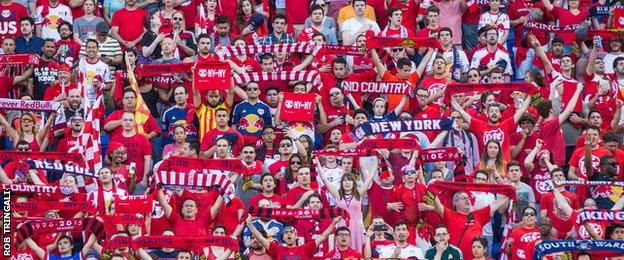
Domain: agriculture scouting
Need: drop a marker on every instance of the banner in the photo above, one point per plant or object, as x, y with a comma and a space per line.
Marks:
19, 59
189, 243
44, 206
440, 154
183, 164
289, 215
615, 247
443, 186
212, 75
344, 50
66, 168
57, 225
29, 105
403, 143
378, 87
298, 107
133, 204
385, 127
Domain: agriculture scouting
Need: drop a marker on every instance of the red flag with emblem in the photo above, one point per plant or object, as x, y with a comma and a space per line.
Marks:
298, 107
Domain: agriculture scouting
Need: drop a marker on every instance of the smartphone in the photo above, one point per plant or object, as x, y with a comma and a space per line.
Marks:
598, 41
380, 228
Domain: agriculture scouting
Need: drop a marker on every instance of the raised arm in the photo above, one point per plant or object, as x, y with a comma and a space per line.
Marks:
254, 231
587, 161
368, 180
216, 207
11, 132
548, 68
562, 202
547, 5
498, 203
164, 204
568, 110
328, 185
327, 232
525, 105
462, 112
381, 68
423, 63
35, 248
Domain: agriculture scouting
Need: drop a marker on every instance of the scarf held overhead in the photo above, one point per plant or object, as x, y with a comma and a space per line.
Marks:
385, 127
189, 243
303, 47
29, 105
615, 247
146, 70
134, 204
297, 214
212, 76
22, 155
443, 186
33, 188
19, 59
311, 76
298, 107
66, 168
45, 206
403, 143
542, 27
219, 181
440, 154
389, 42
182, 164
377, 87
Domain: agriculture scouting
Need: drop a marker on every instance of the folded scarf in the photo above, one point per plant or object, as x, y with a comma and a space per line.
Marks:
303, 47
123, 219
343, 50
289, 215
183, 164
504, 89
611, 216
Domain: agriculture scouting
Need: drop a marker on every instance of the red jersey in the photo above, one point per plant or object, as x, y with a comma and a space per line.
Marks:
458, 224
297, 11
211, 137
137, 146
187, 228
410, 11
189, 9
305, 251
276, 201
433, 84
10, 20
550, 132
529, 144
349, 253
578, 160
149, 126
410, 197
228, 215
566, 18
538, 180
55, 89
129, 30
313, 229
382, 197
68, 51
501, 132
362, 64
562, 226
522, 239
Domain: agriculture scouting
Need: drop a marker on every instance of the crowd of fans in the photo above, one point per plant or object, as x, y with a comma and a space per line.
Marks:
568, 128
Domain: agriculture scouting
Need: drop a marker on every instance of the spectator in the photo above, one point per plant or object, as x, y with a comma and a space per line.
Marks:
252, 115
85, 26
28, 42
48, 20
351, 28
500, 59
343, 250
44, 74
12, 23
114, 123
138, 146
318, 22
95, 71
222, 34
442, 249
494, 18
279, 34
125, 29
68, 49
206, 22
401, 247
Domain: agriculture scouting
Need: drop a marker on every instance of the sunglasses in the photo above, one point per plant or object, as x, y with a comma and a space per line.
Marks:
177, 18
295, 162
409, 172
285, 145
254, 89
397, 50
529, 214
334, 94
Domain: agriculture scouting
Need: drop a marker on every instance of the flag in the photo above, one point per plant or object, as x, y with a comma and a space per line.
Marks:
141, 112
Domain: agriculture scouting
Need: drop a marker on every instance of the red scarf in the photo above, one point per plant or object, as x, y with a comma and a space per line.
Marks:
45, 206
404, 143
101, 202
134, 204
440, 154
505, 89
183, 164
21, 155
389, 42
19, 59
343, 50
541, 27
145, 70
57, 225
289, 215
189, 243
33, 188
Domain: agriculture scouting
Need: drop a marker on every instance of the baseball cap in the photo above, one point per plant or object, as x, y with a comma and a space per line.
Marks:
408, 169
557, 40
114, 146
102, 27
64, 67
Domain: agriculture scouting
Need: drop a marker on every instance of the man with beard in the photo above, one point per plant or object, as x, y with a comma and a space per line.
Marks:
209, 142
401, 248
68, 48
492, 55
256, 250
250, 184
494, 128
74, 103
44, 73
204, 50
291, 250
69, 141
223, 33
252, 115
615, 47
206, 111
316, 23
443, 249
105, 195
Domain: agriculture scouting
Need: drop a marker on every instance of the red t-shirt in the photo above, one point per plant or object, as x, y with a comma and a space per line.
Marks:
332, 113
189, 9
349, 253
297, 11
362, 64
501, 132
228, 215
566, 18
529, 144
562, 226
618, 14
550, 132
410, 197
129, 29
68, 51
211, 137
187, 228
10, 20
382, 198
6, 85
522, 238
457, 223
276, 201
150, 125
66, 143
137, 146
605, 104
537, 181
279, 252
55, 89
578, 160
313, 229
519, 8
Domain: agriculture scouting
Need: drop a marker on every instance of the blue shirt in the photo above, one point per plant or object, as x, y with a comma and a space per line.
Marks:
32, 45
251, 118
172, 117
272, 224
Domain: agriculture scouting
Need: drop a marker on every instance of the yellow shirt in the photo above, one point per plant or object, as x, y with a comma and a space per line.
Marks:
206, 118
348, 12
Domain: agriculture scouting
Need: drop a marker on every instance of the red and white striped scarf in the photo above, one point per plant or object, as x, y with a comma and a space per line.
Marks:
197, 180
311, 76
303, 47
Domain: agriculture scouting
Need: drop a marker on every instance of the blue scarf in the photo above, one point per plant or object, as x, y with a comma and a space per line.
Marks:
385, 127
554, 246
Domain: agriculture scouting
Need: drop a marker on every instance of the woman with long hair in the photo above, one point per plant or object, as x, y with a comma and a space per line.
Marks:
479, 249
349, 197
492, 159
248, 23
28, 131
290, 178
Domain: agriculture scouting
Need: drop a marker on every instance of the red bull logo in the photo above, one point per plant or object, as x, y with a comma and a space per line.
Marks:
252, 123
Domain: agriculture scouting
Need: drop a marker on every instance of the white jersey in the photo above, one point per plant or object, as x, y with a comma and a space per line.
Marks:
50, 18
91, 70
500, 56
449, 57
352, 25
406, 252
500, 21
